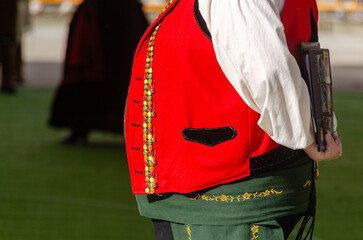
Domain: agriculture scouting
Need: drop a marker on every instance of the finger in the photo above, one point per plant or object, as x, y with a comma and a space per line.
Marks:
333, 147
338, 142
335, 135
329, 139
340, 147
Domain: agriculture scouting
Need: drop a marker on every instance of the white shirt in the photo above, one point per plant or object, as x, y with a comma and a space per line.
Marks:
250, 45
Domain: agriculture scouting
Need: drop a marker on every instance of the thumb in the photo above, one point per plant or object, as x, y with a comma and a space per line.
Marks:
328, 138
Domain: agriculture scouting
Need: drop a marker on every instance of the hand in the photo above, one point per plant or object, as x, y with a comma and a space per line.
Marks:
332, 151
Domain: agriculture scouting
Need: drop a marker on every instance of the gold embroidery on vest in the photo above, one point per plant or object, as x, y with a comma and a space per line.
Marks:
148, 114
254, 230
244, 197
308, 183
189, 232
166, 7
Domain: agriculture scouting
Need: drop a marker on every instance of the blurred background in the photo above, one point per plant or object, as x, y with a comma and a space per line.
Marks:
63, 62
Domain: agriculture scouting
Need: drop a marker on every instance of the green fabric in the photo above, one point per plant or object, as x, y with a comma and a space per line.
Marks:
261, 198
268, 230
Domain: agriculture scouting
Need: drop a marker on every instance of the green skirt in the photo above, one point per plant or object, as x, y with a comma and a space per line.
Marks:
269, 196
267, 230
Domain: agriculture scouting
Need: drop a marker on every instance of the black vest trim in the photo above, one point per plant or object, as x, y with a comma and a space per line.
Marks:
200, 20
314, 28
209, 136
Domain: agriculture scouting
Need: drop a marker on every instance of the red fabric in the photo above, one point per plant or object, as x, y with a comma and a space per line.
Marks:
296, 19
85, 57
191, 91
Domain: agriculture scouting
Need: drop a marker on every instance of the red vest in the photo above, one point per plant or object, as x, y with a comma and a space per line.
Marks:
186, 127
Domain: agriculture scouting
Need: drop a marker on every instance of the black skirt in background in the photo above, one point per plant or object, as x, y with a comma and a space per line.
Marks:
103, 37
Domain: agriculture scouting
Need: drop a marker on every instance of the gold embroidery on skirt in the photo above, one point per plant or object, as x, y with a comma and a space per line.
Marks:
308, 183
244, 197
317, 174
254, 230
189, 232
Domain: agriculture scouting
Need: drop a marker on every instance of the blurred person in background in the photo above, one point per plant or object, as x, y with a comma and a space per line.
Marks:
103, 36
14, 18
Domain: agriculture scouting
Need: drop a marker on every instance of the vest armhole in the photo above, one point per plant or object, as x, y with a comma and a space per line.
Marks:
314, 28
200, 20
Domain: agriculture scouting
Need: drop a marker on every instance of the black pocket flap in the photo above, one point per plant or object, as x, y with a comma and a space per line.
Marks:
209, 136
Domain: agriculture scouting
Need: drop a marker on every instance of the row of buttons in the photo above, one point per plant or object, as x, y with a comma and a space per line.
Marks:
148, 115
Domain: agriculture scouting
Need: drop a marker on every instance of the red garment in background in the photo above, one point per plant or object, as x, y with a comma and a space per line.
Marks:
102, 39
85, 60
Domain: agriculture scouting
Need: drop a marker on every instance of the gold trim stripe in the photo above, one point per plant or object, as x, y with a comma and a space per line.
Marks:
148, 115
244, 197
189, 232
254, 231
308, 183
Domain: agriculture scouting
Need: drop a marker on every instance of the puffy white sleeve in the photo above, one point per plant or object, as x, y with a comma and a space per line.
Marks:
250, 45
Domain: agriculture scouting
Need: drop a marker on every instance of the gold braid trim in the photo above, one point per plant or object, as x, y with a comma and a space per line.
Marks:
254, 230
244, 197
189, 232
308, 183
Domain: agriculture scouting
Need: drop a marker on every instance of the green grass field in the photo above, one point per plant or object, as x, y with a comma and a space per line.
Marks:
49, 191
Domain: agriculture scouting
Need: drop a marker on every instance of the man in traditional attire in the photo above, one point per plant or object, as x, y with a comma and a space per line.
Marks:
218, 128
